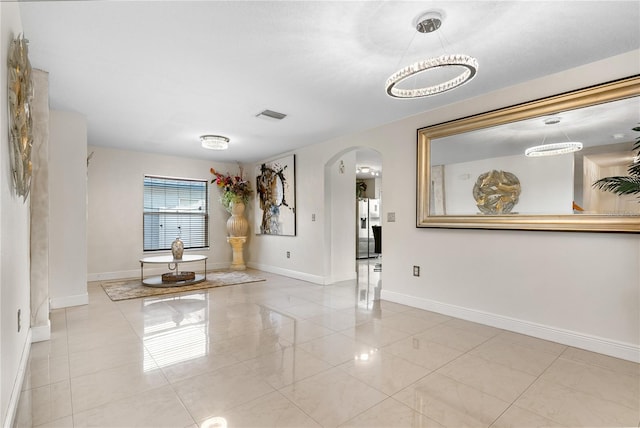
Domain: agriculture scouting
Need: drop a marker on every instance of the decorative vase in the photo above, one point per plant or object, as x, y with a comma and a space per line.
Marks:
177, 249
237, 224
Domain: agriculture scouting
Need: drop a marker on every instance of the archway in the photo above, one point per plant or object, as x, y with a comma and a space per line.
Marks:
340, 207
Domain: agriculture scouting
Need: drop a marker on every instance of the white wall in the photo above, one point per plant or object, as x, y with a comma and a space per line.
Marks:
115, 198
578, 288
14, 246
546, 183
68, 209
269, 252
343, 215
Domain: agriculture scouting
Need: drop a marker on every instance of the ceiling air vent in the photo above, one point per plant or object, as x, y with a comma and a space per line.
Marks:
271, 115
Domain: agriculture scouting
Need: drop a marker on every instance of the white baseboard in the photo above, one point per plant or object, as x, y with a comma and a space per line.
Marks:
14, 399
316, 279
626, 351
41, 333
350, 276
68, 301
148, 271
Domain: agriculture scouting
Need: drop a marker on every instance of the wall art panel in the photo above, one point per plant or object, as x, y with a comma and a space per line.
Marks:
276, 197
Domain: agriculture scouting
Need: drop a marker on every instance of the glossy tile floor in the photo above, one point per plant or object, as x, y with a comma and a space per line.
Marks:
286, 353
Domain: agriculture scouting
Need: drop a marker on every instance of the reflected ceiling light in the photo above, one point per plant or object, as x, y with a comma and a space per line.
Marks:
214, 422
214, 142
429, 23
554, 148
367, 170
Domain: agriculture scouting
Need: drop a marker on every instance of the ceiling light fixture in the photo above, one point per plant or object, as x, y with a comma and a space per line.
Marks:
554, 148
429, 23
214, 142
365, 169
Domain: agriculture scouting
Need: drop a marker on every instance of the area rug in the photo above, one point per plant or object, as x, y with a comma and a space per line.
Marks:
133, 288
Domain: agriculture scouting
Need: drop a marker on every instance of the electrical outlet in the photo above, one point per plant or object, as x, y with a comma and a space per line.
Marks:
391, 217
416, 271
19, 320
288, 254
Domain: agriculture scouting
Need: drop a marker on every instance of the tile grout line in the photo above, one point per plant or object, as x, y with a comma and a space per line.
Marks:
585, 364
66, 327
528, 388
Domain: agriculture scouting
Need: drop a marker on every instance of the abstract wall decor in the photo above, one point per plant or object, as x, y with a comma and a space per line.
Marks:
20, 97
496, 192
275, 197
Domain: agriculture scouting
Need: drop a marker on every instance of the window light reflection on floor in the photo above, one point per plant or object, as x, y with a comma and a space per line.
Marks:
176, 333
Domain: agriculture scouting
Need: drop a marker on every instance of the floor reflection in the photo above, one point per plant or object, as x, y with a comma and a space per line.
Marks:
175, 329
285, 352
369, 283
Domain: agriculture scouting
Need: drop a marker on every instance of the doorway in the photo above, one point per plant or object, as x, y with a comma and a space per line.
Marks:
369, 204
342, 224
369, 229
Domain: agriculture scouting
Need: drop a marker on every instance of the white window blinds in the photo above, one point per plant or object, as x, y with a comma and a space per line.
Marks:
175, 207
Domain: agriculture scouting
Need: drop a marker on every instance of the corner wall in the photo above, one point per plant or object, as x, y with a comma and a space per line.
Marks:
40, 192
67, 209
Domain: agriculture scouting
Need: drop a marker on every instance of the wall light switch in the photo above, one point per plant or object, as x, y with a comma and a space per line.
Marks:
416, 271
313, 217
391, 217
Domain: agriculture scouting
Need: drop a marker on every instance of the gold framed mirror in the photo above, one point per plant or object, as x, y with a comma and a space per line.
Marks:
473, 172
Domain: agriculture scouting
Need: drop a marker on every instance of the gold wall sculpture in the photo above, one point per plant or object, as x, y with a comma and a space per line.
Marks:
496, 192
20, 95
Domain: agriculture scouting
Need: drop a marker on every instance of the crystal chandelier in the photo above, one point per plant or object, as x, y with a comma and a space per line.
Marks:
553, 148
428, 23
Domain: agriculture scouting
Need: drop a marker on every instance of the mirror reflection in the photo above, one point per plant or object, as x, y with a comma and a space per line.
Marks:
533, 166
486, 172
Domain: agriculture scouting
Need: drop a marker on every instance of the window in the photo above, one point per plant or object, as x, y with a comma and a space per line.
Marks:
175, 207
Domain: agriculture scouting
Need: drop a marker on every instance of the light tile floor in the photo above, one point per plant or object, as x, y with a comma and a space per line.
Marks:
287, 353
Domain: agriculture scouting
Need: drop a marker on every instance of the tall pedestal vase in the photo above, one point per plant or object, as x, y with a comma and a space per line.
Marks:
237, 226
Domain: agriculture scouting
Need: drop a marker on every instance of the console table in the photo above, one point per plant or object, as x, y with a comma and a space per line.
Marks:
173, 265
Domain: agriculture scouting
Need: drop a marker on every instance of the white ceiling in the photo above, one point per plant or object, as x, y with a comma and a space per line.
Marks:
155, 75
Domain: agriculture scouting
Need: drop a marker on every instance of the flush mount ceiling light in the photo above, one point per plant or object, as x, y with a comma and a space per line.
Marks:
429, 23
214, 142
554, 148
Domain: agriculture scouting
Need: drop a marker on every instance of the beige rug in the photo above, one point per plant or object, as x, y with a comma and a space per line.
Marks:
133, 288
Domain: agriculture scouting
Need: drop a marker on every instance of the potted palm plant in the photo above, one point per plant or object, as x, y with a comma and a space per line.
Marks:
624, 185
